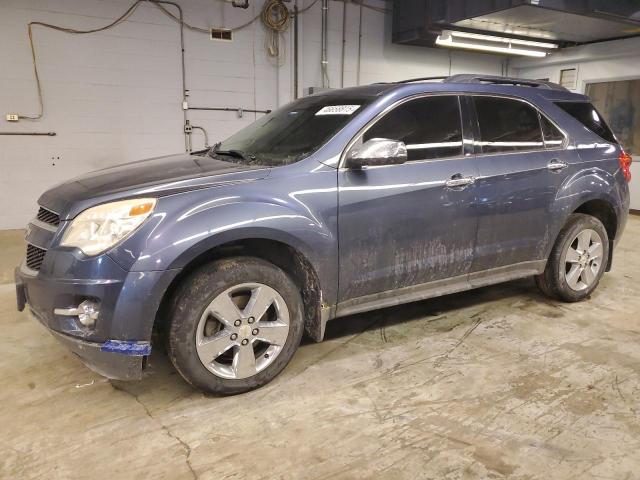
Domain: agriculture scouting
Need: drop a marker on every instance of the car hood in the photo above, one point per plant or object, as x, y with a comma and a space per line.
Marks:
153, 177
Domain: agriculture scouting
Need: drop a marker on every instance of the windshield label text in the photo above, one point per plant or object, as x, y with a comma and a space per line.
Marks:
338, 110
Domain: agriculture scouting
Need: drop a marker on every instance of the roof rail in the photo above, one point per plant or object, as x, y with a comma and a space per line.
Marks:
421, 79
496, 80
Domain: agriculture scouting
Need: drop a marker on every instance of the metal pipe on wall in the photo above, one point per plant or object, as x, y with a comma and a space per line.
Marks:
187, 139
359, 46
32, 134
240, 111
324, 61
295, 50
185, 94
204, 133
344, 41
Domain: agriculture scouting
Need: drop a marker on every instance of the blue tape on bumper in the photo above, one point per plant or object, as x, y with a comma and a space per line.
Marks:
126, 348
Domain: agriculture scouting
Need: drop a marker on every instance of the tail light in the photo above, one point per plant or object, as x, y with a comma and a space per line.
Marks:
625, 164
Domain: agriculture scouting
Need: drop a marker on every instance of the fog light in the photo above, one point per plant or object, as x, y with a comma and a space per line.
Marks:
87, 312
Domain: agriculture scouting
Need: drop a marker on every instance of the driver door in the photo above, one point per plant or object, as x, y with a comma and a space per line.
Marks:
413, 223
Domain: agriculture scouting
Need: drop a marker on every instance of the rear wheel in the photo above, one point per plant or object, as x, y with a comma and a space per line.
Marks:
235, 324
577, 261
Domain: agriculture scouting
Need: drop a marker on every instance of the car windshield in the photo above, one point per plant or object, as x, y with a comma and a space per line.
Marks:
292, 132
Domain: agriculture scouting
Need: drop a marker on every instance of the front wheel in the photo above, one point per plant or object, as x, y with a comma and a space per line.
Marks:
577, 261
235, 324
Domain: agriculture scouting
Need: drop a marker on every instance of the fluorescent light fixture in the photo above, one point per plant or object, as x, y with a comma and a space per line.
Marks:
495, 44
493, 38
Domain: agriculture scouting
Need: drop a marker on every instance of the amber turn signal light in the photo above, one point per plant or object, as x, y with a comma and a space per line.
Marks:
141, 209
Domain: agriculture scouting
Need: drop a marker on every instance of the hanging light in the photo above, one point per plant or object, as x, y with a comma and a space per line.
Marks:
494, 44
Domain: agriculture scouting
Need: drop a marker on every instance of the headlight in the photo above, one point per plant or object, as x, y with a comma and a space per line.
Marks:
99, 228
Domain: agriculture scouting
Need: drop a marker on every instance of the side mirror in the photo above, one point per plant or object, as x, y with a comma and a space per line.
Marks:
377, 151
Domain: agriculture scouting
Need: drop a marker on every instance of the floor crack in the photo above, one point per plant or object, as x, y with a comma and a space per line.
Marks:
185, 446
469, 331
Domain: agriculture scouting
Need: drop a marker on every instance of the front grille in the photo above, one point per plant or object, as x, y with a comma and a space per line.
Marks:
47, 216
35, 256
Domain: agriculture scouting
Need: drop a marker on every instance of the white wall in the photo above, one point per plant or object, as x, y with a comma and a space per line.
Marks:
115, 96
616, 60
598, 62
381, 60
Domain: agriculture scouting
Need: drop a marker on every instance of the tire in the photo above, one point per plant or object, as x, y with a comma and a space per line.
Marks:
212, 310
571, 275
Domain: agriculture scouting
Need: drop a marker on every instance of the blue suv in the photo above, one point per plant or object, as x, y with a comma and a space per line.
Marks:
338, 203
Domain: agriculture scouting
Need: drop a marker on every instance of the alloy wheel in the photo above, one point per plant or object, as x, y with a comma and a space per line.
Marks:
242, 331
583, 260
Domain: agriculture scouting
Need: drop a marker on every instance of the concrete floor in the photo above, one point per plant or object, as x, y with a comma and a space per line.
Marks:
494, 383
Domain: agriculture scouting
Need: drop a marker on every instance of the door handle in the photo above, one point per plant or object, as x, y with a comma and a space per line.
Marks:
556, 165
458, 181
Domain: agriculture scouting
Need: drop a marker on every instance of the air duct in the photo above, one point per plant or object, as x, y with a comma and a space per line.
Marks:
562, 22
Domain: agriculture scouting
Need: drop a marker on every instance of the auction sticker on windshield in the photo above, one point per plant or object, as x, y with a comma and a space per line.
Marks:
338, 110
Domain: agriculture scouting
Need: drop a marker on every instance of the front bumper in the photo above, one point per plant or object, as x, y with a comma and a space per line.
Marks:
112, 359
109, 364
119, 343
113, 365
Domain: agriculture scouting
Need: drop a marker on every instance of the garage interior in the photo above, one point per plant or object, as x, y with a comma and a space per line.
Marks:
497, 382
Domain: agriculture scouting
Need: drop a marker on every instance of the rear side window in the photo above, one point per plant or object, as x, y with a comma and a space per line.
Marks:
430, 127
553, 137
507, 125
587, 115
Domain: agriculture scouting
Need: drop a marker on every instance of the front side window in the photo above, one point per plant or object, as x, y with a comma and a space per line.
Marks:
430, 127
507, 125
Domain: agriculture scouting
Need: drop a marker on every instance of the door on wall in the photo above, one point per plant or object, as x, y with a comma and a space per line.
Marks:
619, 104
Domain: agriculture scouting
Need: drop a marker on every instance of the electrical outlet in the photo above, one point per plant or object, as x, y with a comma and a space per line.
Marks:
12, 117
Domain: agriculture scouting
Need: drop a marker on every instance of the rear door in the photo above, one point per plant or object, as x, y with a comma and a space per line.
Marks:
522, 161
408, 224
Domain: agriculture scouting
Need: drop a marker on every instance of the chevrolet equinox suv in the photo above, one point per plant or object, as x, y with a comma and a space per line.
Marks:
337, 203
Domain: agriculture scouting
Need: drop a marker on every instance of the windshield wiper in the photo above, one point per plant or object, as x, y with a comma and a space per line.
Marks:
247, 157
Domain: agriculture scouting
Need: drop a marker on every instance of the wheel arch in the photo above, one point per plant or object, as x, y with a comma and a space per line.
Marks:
604, 211
600, 207
285, 256
591, 191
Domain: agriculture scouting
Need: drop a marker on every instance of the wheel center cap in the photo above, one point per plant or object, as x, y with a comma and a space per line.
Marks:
584, 259
244, 331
